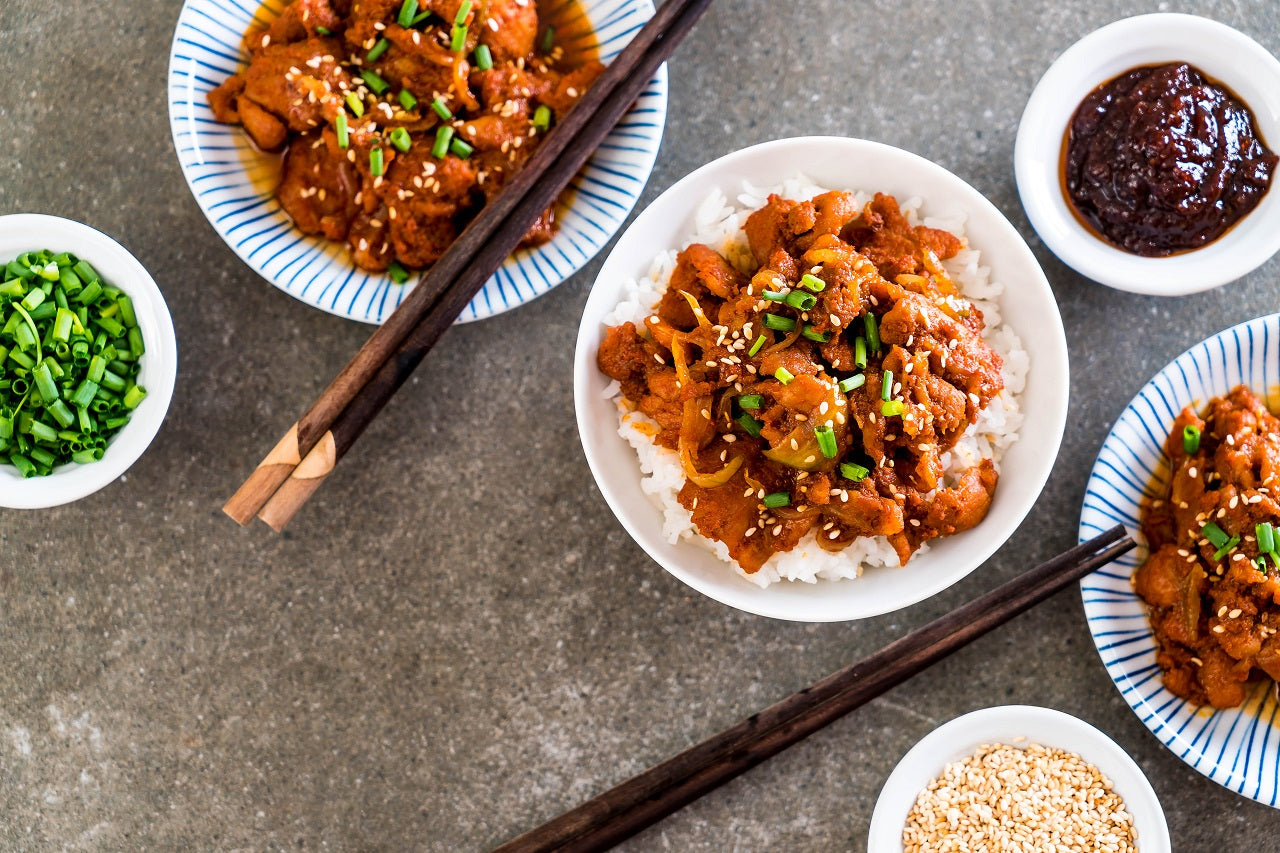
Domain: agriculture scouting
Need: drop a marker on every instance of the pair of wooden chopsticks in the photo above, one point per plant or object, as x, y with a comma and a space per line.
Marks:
642, 800
308, 452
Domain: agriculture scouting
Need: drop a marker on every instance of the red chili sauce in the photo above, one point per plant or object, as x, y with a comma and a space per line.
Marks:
1162, 160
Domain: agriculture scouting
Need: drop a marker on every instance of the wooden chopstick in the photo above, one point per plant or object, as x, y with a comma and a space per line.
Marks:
495, 226
305, 477
648, 797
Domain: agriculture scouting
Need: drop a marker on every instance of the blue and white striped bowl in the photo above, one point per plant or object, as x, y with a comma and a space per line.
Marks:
234, 183
1237, 748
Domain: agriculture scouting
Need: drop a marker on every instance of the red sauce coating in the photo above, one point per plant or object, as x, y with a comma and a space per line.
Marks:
1163, 160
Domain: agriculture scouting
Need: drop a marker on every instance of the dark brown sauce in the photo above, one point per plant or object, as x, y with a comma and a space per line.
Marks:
1162, 160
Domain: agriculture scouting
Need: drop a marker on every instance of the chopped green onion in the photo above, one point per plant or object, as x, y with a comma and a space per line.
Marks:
374, 81
397, 272
484, 59
814, 335
420, 17
340, 128
442, 110
134, 396
401, 140
408, 12
1190, 438
354, 104
751, 401
1266, 535
755, 348
855, 381
783, 375
750, 425
813, 282
460, 149
324, 31
443, 137
800, 300
860, 352
775, 500
1261, 562
854, 472
1215, 534
886, 385
407, 100
548, 39
463, 10
774, 296
459, 40
826, 437
873, 331
378, 49
779, 323
85, 394
892, 408
542, 117
376, 163
1226, 548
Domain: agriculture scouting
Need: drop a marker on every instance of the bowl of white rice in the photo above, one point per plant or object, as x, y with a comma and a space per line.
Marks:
1019, 431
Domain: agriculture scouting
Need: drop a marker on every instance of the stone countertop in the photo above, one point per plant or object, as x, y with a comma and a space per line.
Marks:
456, 640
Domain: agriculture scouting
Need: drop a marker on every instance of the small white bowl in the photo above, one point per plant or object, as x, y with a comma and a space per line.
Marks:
961, 738
1028, 306
1226, 55
25, 232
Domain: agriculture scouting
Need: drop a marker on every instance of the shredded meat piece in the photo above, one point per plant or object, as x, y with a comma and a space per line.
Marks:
310, 66
1215, 605
755, 408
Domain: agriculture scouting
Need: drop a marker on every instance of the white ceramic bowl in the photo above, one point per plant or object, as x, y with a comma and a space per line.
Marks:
25, 232
1225, 55
1028, 305
961, 738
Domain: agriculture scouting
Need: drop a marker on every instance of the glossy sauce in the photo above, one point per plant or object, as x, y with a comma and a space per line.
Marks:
1163, 160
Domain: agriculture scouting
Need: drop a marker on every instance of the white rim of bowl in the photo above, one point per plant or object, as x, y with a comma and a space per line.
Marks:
73, 481
744, 596
1224, 54
960, 737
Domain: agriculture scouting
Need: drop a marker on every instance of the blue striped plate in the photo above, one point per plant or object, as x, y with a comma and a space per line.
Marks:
234, 183
1238, 748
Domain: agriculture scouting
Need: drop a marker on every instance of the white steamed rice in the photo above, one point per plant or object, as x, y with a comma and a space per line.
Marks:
718, 223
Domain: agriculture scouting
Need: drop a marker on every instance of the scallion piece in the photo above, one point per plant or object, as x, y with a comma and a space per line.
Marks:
892, 408
377, 164
812, 282
401, 140
397, 272
407, 100
1226, 548
873, 331
749, 425
854, 382
783, 375
774, 296
460, 149
755, 348
341, 130
1190, 438
826, 437
1266, 536
133, 397
751, 401
443, 137
814, 335
860, 352
463, 10
853, 471
775, 500
459, 40
378, 49
374, 81
354, 104
408, 11
542, 117
441, 109
886, 385
548, 39
779, 323
484, 59
1215, 534
324, 31
800, 300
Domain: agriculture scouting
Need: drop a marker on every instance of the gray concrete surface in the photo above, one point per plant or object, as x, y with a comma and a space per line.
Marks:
456, 640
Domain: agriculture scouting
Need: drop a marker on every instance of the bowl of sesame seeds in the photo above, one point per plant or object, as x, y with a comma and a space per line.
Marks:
1016, 778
